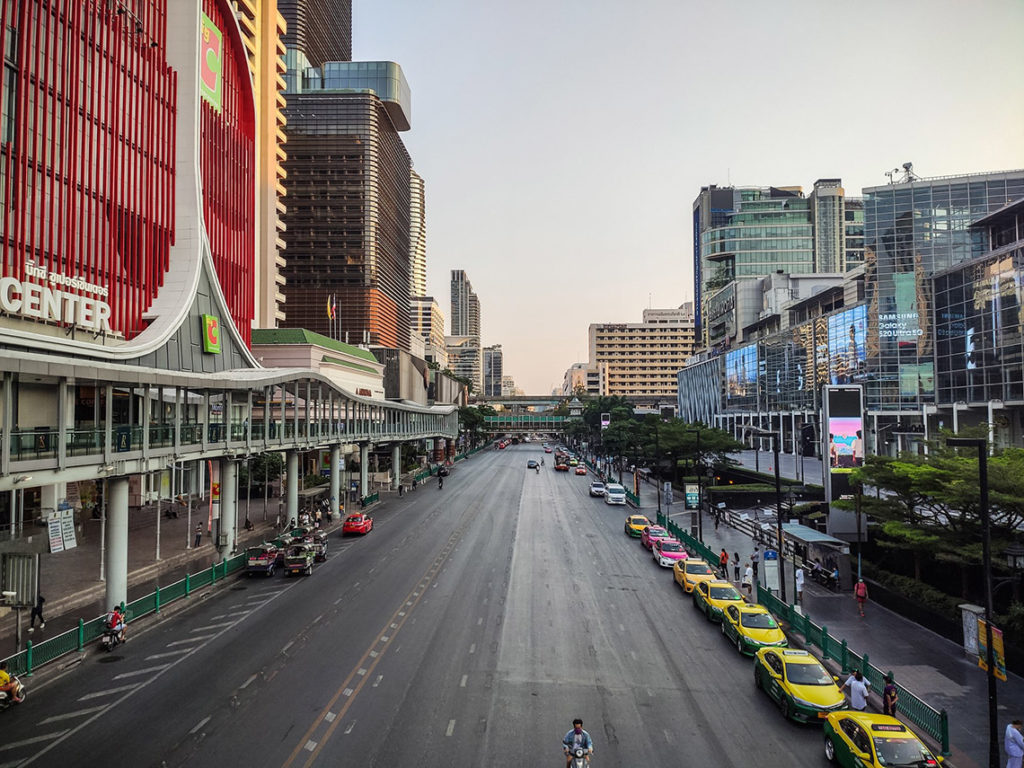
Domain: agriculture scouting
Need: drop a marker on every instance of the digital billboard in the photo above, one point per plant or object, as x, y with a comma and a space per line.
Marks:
844, 441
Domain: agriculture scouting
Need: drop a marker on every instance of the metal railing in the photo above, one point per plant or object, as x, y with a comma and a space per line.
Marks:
74, 641
932, 721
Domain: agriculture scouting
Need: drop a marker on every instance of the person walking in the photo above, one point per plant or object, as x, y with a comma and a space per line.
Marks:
199, 535
723, 563
37, 611
889, 696
858, 690
799, 586
748, 579
754, 558
1013, 743
860, 591
735, 566
718, 518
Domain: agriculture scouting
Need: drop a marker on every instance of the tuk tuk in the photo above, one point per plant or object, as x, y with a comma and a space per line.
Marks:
261, 559
299, 559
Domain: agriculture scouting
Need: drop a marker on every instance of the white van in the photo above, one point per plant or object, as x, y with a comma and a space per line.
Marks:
614, 494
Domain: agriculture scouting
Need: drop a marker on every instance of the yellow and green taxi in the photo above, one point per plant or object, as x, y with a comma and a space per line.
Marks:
635, 525
689, 572
865, 740
712, 597
751, 627
799, 684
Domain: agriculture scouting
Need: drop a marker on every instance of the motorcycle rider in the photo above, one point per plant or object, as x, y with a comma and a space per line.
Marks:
7, 684
577, 737
115, 623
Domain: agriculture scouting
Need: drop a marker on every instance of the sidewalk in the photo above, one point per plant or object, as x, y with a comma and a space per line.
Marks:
933, 668
72, 584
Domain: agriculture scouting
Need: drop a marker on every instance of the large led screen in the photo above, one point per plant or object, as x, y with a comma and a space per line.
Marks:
847, 344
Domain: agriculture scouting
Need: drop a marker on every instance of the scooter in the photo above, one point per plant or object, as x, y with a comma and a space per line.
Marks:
110, 639
15, 696
579, 758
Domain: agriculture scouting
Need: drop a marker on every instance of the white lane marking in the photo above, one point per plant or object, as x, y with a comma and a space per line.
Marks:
247, 683
165, 654
69, 715
285, 649
33, 740
339, 599
668, 736
196, 639
621, 628
485, 601
374, 654
350, 727
401, 613
107, 692
329, 717
212, 626
384, 638
138, 672
228, 615
377, 681
633, 654
451, 728
310, 746
472, 648
347, 692
200, 724
462, 682
318, 618
361, 672
480, 621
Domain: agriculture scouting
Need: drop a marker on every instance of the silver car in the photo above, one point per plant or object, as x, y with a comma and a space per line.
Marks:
597, 488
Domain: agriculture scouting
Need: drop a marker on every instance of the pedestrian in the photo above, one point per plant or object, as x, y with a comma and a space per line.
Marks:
718, 518
889, 696
37, 610
199, 534
1013, 743
860, 591
723, 563
799, 586
754, 558
735, 566
401, 489
858, 690
748, 579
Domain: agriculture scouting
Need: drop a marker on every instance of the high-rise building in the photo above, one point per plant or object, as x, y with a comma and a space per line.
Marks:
427, 322
584, 376
465, 306
320, 29
493, 361
643, 359
262, 30
348, 203
465, 359
828, 222
417, 236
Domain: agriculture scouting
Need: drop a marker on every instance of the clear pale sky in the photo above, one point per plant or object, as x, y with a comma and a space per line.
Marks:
563, 141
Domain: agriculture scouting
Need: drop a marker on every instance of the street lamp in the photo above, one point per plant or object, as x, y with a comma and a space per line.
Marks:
700, 489
778, 504
981, 445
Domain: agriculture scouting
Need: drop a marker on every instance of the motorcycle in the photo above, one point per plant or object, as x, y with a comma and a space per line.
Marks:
579, 758
15, 696
110, 639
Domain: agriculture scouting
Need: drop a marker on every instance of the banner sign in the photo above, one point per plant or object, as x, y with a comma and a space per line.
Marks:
211, 63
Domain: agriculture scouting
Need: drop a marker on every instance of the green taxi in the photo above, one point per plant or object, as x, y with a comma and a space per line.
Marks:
865, 740
635, 525
751, 627
712, 597
803, 689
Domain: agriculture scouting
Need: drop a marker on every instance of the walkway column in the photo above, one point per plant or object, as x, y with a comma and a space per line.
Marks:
228, 507
335, 479
292, 468
364, 469
117, 542
396, 465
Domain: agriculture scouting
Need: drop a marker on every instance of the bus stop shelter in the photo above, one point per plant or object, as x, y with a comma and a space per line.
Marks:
812, 546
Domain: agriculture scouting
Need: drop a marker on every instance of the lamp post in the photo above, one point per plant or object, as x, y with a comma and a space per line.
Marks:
778, 504
981, 445
700, 489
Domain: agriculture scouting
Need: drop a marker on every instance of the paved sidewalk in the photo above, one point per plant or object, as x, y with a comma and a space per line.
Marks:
72, 583
935, 669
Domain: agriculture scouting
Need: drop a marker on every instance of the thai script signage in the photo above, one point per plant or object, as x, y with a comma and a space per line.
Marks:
51, 303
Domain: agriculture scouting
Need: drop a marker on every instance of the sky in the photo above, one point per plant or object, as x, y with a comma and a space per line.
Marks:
562, 142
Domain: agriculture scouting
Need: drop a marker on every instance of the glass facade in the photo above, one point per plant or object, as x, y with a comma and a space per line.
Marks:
911, 231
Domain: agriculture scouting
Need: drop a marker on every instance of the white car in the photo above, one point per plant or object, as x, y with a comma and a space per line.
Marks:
614, 494
597, 488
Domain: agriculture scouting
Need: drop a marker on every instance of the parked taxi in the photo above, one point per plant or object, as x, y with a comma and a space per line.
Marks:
635, 525
652, 533
799, 684
712, 598
667, 552
865, 740
688, 573
751, 627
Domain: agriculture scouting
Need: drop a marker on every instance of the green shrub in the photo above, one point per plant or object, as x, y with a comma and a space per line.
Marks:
918, 591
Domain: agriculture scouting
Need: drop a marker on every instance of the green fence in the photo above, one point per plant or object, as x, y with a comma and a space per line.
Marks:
372, 498
932, 721
75, 640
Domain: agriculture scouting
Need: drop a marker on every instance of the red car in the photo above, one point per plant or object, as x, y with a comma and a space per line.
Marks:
357, 523
581, 470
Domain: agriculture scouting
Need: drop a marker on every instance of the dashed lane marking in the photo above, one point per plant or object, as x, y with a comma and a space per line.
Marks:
137, 672
247, 683
310, 746
213, 626
33, 740
462, 682
451, 728
196, 639
108, 692
196, 728
70, 715
168, 653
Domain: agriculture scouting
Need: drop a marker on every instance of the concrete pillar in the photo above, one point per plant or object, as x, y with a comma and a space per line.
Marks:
335, 479
396, 465
364, 469
228, 507
292, 467
117, 541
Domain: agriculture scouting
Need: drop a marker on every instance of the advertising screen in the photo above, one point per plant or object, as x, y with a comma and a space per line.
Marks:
844, 441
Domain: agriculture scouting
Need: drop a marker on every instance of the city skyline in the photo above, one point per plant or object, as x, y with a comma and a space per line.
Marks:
579, 169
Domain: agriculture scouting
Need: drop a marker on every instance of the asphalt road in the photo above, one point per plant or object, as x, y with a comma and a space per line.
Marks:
468, 628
